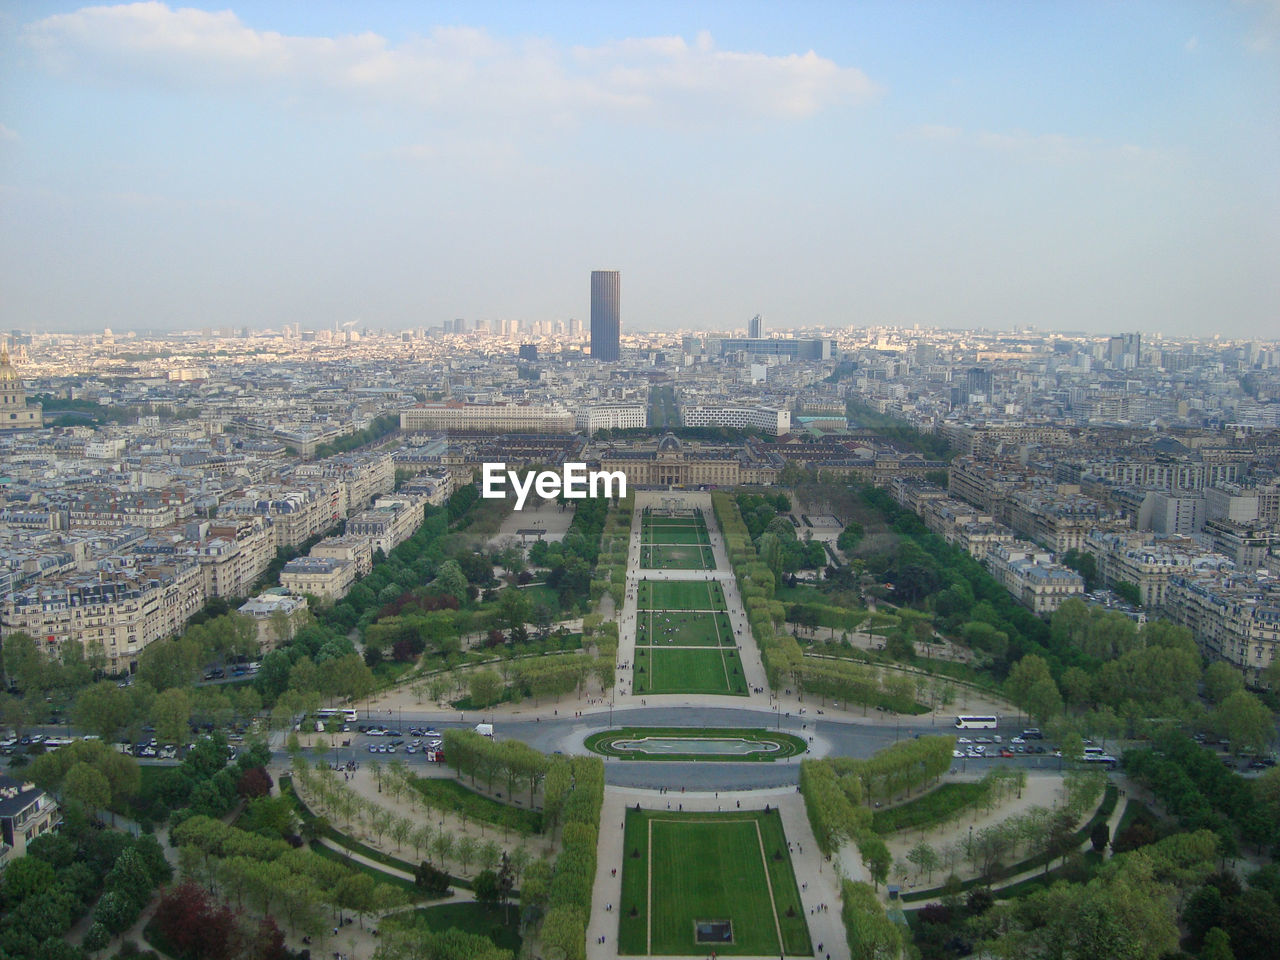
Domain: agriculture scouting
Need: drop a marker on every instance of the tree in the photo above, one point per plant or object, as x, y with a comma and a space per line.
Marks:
171, 713
451, 580
485, 687
115, 911
465, 850
96, 938
1217, 946
1246, 722
1221, 680
104, 709
87, 785
924, 857
486, 887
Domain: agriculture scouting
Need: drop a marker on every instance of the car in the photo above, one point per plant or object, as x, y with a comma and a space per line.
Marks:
391, 748
1006, 753
1018, 740
373, 748
37, 738
1038, 749
376, 732
431, 732
963, 740
1032, 733
957, 753
973, 754
411, 749
393, 733
397, 743
995, 738
979, 748
983, 740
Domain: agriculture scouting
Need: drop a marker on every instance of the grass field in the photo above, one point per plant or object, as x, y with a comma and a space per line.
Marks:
661, 670
677, 535
688, 557
684, 868
681, 595
684, 629
499, 925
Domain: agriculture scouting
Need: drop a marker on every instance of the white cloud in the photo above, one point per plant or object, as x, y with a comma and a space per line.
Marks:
450, 68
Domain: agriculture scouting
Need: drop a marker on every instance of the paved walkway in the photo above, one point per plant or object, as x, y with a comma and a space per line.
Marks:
822, 884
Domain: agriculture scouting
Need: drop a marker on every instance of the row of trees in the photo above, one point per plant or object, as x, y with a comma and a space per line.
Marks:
568, 899
870, 933
274, 878
898, 769
440, 845
484, 758
756, 584
1196, 788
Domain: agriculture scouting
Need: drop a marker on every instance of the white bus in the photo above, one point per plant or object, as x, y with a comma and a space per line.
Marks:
337, 713
1097, 755
976, 723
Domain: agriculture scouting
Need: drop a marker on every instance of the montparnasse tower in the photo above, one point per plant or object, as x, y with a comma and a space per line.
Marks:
15, 413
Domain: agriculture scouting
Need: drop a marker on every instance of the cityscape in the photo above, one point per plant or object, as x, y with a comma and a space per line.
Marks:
572, 593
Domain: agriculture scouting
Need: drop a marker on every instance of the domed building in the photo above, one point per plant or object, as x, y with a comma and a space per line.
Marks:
15, 414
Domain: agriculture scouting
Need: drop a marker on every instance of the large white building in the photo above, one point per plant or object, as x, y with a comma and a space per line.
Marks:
488, 417
768, 419
613, 416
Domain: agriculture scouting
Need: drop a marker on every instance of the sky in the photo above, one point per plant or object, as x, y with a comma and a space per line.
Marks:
1064, 165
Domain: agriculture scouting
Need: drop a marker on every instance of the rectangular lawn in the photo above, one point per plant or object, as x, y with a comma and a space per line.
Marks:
683, 868
681, 595
684, 670
673, 557
682, 628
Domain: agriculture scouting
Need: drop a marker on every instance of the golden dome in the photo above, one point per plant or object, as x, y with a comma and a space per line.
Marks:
6, 368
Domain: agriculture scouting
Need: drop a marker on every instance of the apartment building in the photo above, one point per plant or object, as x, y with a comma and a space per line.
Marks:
386, 525
323, 578
116, 611
620, 416
770, 420
355, 549
360, 477
1029, 573
487, 417
1234, 617
26, 812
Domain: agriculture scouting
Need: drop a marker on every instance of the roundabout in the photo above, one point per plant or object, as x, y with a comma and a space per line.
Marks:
695, 744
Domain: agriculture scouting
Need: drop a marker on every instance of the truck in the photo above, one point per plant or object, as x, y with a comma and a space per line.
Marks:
484, 729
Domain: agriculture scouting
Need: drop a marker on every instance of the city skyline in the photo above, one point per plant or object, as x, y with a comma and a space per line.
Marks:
1083, 168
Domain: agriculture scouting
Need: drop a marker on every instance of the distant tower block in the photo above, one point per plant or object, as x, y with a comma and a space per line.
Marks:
606, 323
756, 330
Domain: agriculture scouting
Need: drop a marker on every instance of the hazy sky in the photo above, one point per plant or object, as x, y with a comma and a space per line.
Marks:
1095, 166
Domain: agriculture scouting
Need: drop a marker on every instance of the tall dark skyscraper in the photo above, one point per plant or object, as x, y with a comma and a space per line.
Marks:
605, 321
755, 329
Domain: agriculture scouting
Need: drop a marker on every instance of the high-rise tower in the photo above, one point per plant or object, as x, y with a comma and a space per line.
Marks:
605, 322
756, 328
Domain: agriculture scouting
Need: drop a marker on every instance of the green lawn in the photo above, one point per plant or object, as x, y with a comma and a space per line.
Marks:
677, 535
681, 595
684, 629
500, 925
677, 558
660, 670
692, 867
